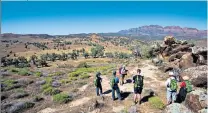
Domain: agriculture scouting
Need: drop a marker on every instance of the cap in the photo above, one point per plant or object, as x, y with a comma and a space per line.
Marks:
171, 73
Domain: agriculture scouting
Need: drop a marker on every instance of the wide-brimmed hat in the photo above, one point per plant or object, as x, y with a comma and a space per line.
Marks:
185, 78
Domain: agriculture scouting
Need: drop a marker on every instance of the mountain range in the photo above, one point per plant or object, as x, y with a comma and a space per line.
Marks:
152, 31
144, 32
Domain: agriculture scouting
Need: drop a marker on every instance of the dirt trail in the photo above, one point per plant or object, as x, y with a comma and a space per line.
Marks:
150, 81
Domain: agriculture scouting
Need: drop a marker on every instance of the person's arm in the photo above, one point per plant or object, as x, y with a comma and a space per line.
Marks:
133, 79
167, 83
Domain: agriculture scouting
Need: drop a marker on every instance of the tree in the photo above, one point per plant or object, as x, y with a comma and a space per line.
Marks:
86, 55
97, 51
3, 61
109, 55
33, 58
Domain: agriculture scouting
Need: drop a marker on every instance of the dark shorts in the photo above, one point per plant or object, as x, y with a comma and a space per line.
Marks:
138, 90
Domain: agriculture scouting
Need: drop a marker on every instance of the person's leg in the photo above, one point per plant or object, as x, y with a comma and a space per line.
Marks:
97, 91
168, 97
101, 90
118, 93
135, 97
139, 95
174, 96
113, 93
122, 80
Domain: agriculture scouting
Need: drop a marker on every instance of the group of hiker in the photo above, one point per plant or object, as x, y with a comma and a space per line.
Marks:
114, 81
171, 85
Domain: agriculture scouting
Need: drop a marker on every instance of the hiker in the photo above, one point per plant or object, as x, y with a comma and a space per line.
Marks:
97, 83
114, 86
172, 86
182, 92
185, 87
123, 74
138, 86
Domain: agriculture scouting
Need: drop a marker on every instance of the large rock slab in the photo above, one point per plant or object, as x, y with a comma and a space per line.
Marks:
187, 61
196, 100
19, 107
177, 108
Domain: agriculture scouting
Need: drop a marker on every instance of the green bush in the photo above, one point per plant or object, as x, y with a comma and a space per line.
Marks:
146, 51
48, 80
65, 81
56, 74
50, 91
45, 86
84, 76
38, 74
23, 72
156, 102
62, 98
83, 65
8, 82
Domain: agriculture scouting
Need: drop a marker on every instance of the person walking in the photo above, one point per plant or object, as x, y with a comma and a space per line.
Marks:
138, 86
123, 74
97, 83
172, 86
114, 86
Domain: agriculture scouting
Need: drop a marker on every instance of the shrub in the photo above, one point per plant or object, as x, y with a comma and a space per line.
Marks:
23, 72
56, 74
38, 74
65, 81
50, 91
62, 98
9, 82
48, 80
45, 86
84, 76
156, 102
83, 65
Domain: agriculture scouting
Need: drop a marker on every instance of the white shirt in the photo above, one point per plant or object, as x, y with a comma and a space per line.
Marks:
167, 83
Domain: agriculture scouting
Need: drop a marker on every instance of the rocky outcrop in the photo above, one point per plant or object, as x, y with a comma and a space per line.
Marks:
19, 107
177, 108
180, 53
196, 100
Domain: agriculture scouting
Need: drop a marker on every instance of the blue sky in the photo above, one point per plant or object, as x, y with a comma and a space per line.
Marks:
93, 17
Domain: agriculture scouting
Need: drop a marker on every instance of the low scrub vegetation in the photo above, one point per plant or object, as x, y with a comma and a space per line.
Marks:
156, 102
61, 98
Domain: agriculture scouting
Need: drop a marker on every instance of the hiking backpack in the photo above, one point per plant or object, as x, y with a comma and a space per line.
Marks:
188, 86
138, 81
112, 82
96, 81
173, 85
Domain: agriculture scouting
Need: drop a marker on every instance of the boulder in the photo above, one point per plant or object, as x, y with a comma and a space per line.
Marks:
19, 95
176, 56
24, 81
197, 75
169, 40
182, 48
177, 108
187, 61
41, 82
203, 111
4, 96
196, 100
132, 109
4, 74
157, 61
20, 107
56, 84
